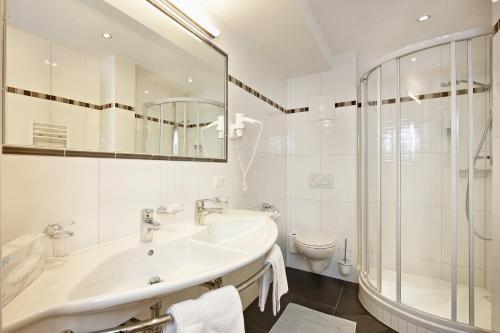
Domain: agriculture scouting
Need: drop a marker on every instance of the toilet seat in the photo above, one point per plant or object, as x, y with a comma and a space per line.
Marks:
316, 240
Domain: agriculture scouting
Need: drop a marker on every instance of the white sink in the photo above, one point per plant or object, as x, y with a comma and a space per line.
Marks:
243, 233
113, 278
170, 261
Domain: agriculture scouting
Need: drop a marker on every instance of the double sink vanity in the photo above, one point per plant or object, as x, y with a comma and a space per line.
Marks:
107, 284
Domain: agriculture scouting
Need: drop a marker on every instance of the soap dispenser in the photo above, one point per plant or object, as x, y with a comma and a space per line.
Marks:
60, 238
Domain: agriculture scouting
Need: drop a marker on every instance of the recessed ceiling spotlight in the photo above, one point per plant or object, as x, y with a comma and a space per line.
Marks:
106, 35
54, 64
46, 62
494, 1
423, 18
146, 92
190, 80
413, 59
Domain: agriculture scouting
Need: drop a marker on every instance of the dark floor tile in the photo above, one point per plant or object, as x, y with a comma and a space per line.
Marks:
318, 293
315, 287
365, 323
253, 329
265, 320
349, 302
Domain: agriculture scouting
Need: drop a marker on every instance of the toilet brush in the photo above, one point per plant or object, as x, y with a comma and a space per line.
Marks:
345, 250
345, 265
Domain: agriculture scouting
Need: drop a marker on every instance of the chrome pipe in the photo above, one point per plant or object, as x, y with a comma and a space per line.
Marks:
379, 178
453, 180
470, 181
398, 181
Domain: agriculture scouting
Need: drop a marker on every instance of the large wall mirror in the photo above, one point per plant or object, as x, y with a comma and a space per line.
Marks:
111, 77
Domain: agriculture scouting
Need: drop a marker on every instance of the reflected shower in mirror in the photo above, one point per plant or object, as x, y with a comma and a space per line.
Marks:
111, 76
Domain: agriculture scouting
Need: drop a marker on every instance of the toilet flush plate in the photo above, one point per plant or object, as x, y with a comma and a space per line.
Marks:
320, 180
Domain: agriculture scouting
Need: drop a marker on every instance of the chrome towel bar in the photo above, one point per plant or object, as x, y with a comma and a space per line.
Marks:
165, 319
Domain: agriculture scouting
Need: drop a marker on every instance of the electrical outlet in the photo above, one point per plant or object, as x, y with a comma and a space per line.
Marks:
219, 182
319, 180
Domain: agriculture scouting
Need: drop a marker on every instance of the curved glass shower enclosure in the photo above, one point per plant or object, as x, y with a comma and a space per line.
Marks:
185, 127
426, 176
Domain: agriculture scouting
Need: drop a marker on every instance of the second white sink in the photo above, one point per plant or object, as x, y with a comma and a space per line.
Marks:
142, 266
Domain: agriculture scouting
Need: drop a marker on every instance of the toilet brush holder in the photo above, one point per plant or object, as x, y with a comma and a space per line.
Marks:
345, 266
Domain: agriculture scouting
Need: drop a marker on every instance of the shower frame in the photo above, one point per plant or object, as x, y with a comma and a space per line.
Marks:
376, 290
174, 101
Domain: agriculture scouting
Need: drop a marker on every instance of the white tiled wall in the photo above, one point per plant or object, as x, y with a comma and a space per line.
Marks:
28, 53
104, 196
118, 126
39, 65
313, 148
267, 178
37, 191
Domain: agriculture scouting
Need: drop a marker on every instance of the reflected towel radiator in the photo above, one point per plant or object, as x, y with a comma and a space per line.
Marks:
157, 321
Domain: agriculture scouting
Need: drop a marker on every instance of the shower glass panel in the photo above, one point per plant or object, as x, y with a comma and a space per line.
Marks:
480, 219
427, 209
373, 168
388, 179
424, 226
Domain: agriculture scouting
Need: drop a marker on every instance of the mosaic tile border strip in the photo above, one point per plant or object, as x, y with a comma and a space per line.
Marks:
262, 97
298, 110
168, 122
403, 99
254, 92
429, 96
69, 101
231, 79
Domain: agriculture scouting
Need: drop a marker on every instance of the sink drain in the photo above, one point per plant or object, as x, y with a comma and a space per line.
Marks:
154, 280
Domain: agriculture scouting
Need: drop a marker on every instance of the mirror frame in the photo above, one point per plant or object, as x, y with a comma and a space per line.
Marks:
184, 22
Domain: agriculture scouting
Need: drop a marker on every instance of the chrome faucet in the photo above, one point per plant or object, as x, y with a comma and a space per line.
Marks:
200, 211
148, 225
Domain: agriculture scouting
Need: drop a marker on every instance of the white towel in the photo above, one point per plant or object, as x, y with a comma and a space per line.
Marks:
217, 311
276, 275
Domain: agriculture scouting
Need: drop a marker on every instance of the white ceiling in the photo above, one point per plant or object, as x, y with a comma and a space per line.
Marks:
366, 25
78, 24
277, 31
300, 36
296, 37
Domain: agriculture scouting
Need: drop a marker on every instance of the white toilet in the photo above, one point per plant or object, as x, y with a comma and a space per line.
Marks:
317, 247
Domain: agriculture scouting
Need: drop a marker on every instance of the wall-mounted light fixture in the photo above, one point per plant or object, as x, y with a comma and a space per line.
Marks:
186, 14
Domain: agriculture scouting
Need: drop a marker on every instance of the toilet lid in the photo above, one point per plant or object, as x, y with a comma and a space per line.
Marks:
316, 239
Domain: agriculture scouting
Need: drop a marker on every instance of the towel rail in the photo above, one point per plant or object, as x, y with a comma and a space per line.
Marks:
165, 319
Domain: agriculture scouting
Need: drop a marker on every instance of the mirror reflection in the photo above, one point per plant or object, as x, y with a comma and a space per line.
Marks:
103, 75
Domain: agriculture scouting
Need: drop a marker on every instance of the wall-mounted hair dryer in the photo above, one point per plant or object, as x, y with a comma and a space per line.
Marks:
236, 131
219, 127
